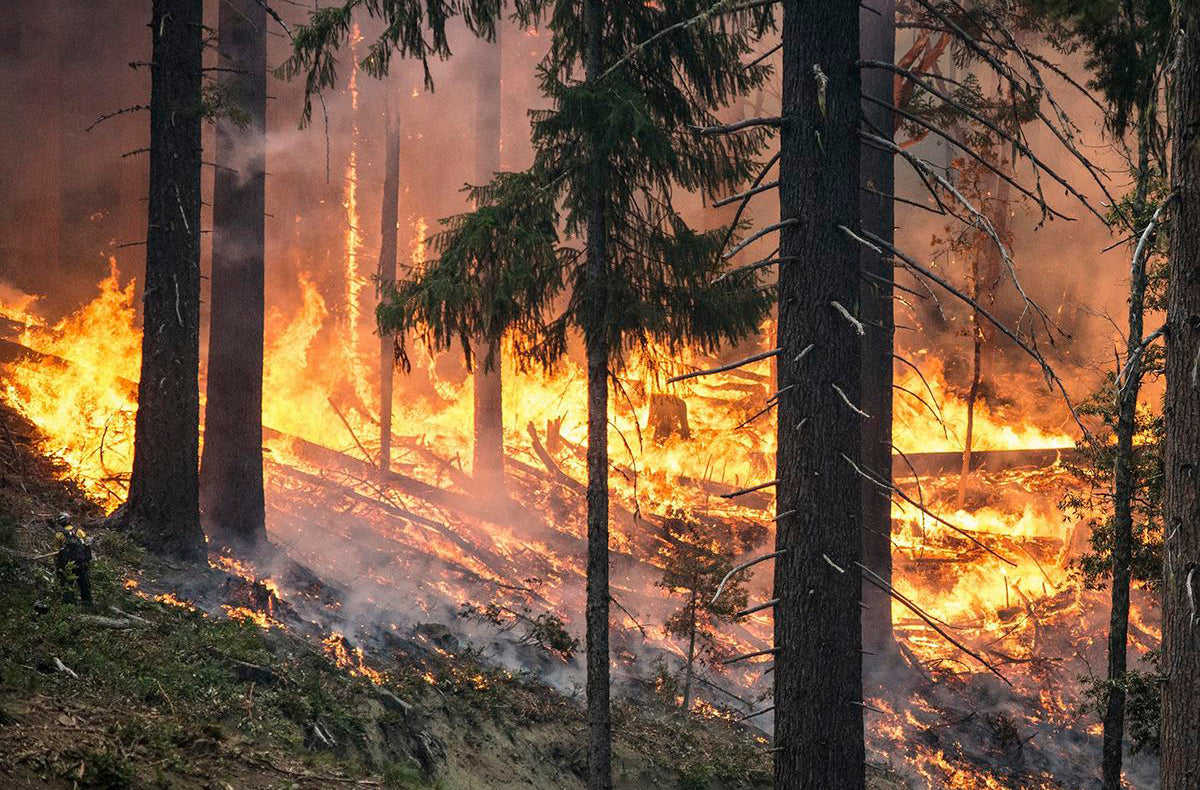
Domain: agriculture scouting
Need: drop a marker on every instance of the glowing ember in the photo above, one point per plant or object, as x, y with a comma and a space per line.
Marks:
352, 661
171, 600
247, 615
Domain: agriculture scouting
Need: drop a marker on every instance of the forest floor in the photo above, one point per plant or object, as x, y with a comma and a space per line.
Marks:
162, 684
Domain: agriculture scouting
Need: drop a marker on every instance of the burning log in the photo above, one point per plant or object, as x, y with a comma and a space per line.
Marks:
668, 417
944, 463
551, 465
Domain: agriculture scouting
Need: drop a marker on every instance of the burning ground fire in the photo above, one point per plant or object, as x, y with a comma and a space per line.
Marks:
424, 543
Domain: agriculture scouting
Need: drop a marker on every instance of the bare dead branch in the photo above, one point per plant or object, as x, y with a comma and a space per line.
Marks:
773, 121
750, 490
769, 229
741, 567
724, 368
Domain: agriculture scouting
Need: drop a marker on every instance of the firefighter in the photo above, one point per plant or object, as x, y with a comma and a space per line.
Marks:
74, 557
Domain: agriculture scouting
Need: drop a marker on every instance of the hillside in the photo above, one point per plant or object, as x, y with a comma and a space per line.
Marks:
171, 680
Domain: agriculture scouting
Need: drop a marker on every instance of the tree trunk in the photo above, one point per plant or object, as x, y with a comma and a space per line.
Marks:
1124, 486
388, 245
1180, 742
599, 712
691, 655
818, 630
488, 464
231, 468
878, 20
163, 509
976, 372
987, 266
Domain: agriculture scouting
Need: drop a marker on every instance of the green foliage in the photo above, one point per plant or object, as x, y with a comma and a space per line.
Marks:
546, 630
695, 777
218, 101
1127, 45
1094, 467
182, 662
401, 776
410, 29
1143, 694
698, 555
105, 770
498, 271
628, 139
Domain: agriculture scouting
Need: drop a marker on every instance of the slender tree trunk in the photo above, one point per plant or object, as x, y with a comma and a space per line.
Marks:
388, 245
976, 373
231, 469
163, 509
599, 712
1124, 484
691, 656
878, 20
1180, 741
818, 629
488, 464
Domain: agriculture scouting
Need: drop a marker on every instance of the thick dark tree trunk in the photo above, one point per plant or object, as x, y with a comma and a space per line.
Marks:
388, 246
878, 20
163, 509
488, 464
1180, 744
599, 712
818, 630
231, 469
1124, 485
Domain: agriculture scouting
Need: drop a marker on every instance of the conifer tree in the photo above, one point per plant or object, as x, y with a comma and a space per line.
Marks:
1180, 741
696, 560
619, 139
1126, 46
163, 508
231, 466
818, 637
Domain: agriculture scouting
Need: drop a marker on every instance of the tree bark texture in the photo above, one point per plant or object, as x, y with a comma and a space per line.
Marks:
231, 468
388, 251
163, 508
1180, 734
818, 636
599, 710
1124, 488
488, 464
878, 20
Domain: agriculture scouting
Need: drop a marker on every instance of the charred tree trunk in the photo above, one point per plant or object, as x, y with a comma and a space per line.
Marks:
163, 508
231, 468
388, 246
599, 712
818, 629
488, 464
878, 20
976, 372
1180, 735
1124, 487
986, 270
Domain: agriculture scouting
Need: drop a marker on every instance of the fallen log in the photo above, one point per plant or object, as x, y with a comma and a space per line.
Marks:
551, 466
950, 462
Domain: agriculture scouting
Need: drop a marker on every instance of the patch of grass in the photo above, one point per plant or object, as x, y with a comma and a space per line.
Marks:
400, 776
104, 770
695, 777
